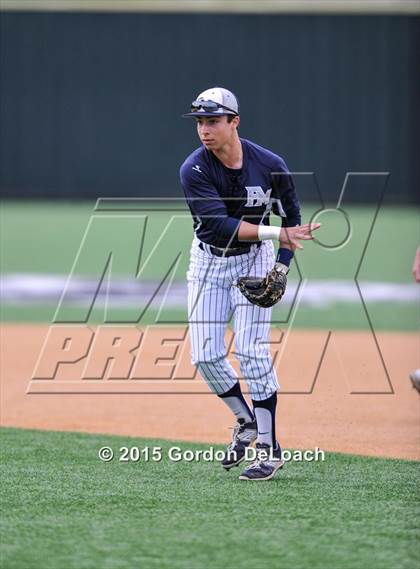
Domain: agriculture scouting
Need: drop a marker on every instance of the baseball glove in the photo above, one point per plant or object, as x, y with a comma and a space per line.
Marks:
267, 291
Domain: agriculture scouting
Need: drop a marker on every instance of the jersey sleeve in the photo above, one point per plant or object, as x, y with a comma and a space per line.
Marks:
286, 203
205, 203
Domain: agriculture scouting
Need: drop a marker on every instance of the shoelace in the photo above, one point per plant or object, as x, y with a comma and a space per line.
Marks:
262, 456
236, 430
257, 462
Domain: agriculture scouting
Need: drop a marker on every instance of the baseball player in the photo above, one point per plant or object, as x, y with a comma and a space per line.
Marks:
234, 273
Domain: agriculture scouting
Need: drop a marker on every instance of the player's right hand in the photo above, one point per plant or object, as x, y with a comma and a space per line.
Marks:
290, 237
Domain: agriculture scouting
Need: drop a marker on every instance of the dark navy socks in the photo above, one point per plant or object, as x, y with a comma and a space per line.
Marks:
237, 403
265, 413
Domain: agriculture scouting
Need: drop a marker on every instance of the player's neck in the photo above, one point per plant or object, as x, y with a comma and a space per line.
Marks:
231, 154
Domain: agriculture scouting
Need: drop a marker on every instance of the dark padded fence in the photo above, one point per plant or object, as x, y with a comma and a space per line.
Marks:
91, 103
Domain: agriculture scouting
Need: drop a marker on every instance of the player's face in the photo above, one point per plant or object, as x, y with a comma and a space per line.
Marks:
215, 132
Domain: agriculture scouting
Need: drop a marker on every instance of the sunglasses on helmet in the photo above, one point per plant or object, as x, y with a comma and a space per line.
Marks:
208, 106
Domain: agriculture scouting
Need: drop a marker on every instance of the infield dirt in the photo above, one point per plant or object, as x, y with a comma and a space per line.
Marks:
338, 392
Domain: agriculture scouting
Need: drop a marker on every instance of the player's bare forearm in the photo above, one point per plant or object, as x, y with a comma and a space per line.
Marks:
247, 231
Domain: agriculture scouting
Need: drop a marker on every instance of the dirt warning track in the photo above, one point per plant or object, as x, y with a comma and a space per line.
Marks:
338, 391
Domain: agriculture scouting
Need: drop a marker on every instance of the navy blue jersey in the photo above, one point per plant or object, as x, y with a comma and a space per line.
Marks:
219, 197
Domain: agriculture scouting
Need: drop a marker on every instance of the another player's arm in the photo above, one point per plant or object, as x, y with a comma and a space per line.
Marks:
416, 266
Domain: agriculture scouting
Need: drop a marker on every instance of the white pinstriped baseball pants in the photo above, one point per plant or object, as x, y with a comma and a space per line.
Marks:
212, 302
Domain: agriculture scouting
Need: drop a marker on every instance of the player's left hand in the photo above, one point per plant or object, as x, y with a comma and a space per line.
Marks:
267, 291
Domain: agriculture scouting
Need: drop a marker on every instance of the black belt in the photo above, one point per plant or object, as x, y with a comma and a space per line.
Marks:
232, 252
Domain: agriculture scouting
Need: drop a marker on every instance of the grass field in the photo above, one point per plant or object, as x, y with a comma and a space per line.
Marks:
44, 239
63, 507
341, 317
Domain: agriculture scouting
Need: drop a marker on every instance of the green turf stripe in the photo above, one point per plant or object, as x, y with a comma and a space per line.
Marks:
62, 507
341, 317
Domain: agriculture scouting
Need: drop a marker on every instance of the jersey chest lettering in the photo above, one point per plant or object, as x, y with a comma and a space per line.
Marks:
257, 197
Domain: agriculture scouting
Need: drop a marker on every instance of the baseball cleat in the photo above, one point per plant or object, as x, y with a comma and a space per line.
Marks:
265, 466
415, 379
243, 435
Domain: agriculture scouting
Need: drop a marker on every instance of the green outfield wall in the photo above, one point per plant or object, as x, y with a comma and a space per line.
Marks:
91, 102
